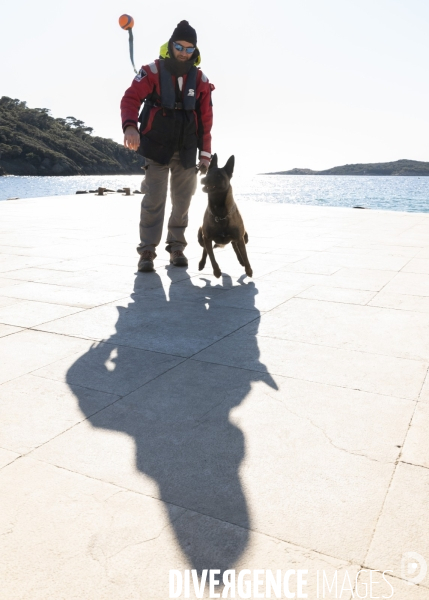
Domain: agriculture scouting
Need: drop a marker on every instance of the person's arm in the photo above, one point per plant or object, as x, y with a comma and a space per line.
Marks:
205, 122
131, 102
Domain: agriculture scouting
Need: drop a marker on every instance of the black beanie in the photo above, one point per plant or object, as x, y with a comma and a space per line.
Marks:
184, 32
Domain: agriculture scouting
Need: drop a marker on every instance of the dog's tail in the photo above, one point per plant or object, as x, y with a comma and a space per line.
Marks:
219, 246
246, 237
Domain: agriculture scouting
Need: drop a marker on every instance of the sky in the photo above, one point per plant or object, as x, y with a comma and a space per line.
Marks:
299, 83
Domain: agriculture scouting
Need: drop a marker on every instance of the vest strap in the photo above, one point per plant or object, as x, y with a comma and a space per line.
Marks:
190, 90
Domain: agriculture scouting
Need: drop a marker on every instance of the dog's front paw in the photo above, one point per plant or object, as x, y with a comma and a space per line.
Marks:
249, 271
201, 265
217, 272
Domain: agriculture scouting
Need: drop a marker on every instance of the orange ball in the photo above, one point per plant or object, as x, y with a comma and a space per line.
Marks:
126, 22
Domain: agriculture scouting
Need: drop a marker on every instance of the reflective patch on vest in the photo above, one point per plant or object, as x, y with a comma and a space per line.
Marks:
204, 78
153, 68
140, 75
191, 93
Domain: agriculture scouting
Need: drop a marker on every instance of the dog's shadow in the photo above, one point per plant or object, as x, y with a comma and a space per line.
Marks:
180, 420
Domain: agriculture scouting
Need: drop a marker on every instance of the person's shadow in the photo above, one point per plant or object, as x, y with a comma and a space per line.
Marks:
180, 420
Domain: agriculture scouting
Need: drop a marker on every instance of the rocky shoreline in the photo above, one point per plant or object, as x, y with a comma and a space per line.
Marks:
32, 142
404, 168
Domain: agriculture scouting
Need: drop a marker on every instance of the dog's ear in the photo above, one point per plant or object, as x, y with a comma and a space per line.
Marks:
213, 163
229, 167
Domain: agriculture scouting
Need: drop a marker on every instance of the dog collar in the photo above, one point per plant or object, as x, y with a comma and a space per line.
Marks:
217, 219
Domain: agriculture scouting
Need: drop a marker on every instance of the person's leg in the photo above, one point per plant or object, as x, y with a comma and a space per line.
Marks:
153, 206
183, 184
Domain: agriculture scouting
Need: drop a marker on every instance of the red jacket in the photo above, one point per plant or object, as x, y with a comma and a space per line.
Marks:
148, 81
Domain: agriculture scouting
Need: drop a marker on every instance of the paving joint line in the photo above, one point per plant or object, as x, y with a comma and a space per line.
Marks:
121, 397
342, 387
298, 547
398, 460
420, 360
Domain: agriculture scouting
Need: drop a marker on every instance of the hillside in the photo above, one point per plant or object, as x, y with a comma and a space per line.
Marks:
34, 143
399, 167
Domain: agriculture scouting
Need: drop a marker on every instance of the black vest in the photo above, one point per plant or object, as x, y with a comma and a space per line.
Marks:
171, 125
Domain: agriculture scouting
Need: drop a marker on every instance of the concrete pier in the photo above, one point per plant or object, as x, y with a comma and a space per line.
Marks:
172, 420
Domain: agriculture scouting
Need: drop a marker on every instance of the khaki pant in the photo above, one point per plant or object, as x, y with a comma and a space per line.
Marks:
183, 183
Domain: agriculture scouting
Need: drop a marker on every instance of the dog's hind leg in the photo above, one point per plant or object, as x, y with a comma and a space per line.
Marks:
242, 248
237, 252
208, 247
202, 262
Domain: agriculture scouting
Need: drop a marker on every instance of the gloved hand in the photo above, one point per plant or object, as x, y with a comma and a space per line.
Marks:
203, 166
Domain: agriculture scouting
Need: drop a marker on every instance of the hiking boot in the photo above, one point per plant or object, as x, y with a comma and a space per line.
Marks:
178, 259
146, 261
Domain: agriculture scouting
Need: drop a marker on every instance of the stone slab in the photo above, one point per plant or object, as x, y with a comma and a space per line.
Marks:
417, 265
34, 410
229, 264
33, 274
7, 457
5, 301
361, 279
424, 394
364, 247
323, 364
282, 276
109, 368
57, 294
89, 529
337, 260
413, 284
185, 445
121, 542
11, 262
155, 324
7, 329
385, 586
82, 264
401, 301
257, 295
27, 350
403, 525
416, 448
402, 334
337, 294
29, 313
5, 282
196, 288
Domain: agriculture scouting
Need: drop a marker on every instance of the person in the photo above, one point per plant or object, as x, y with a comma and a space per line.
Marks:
175, 123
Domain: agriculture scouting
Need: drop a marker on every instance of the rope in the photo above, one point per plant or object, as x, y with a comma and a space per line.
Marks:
131, 41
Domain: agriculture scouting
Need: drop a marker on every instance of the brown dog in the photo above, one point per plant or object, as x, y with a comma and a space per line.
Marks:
222, 221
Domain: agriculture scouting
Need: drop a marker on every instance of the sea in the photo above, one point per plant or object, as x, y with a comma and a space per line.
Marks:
409, 194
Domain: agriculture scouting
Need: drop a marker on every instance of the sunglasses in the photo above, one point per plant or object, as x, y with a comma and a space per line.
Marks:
180, 48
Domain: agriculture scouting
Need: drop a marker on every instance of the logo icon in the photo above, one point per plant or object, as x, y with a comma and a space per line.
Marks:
191, 92
413, 567
140, 75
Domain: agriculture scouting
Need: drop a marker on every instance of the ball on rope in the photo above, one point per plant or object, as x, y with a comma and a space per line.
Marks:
126, 22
